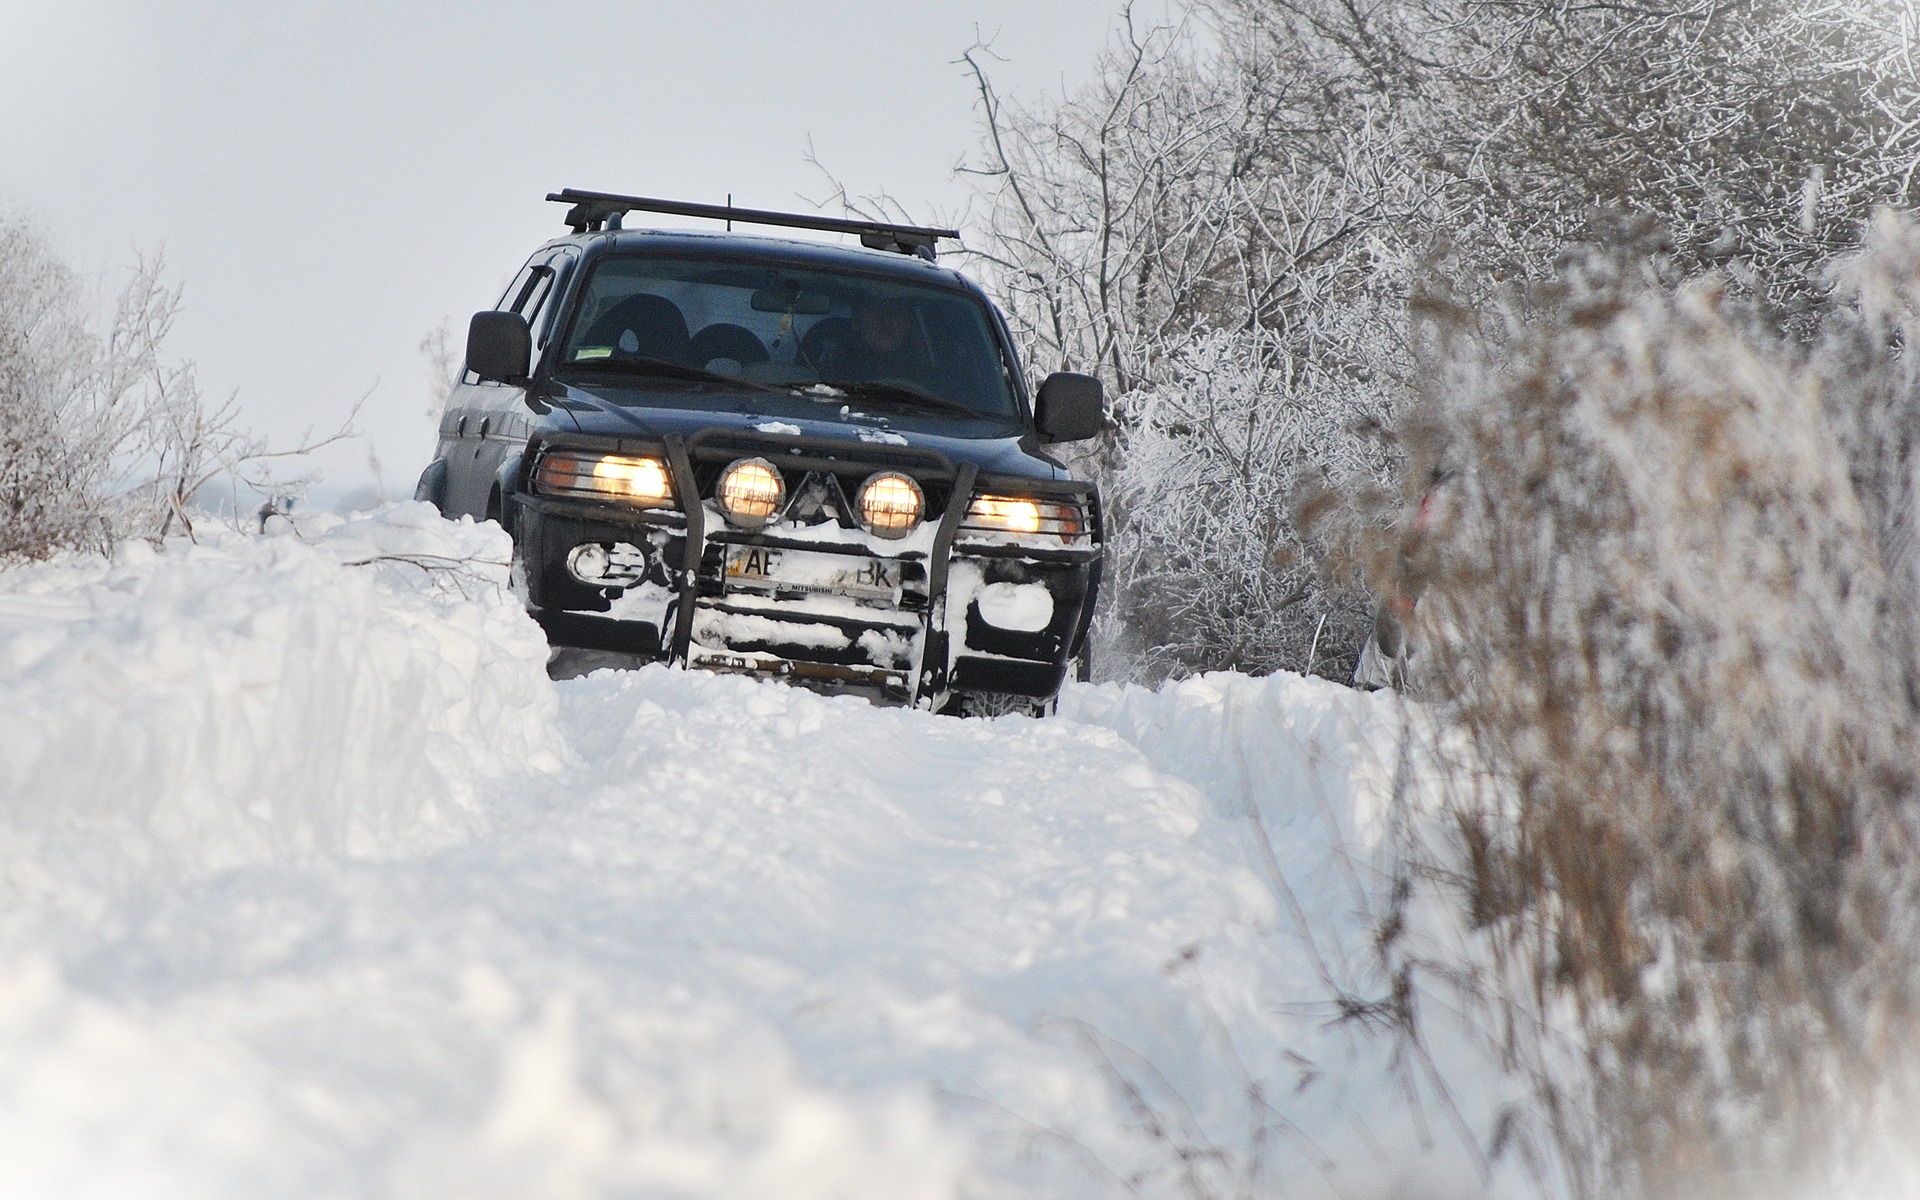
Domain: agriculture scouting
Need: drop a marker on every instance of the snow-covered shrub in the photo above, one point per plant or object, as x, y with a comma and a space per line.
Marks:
51, 470
1870, 378
1210, 567
1758, 133
1278, 168
1667, 590
1188, 208
102, 435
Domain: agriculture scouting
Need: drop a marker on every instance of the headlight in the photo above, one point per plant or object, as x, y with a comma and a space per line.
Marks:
1026, 518
750, 492
890, 504
642, 481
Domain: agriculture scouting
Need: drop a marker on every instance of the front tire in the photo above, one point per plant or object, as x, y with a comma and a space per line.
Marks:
999, 704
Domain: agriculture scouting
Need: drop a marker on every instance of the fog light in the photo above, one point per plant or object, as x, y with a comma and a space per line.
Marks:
588, 562
750, 492
890, 504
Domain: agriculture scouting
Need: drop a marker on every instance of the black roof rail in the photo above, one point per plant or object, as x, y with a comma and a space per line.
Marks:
603, 210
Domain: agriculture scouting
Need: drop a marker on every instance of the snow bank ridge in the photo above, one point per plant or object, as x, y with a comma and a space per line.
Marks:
248, 698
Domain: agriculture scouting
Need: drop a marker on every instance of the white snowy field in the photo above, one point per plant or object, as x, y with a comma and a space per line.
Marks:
312, 884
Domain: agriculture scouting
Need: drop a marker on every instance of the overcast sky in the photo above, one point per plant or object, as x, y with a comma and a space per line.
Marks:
332, 181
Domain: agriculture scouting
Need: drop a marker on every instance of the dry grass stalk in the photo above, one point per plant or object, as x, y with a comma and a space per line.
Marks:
1665, 593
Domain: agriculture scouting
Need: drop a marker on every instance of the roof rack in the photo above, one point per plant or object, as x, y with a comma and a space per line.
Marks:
603, 210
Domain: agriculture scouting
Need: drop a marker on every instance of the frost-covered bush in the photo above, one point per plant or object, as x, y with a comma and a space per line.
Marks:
1186, 209
1758, 133
1278, 168
1667, 590
101, 434
1210, 566
1870, 377
50, 468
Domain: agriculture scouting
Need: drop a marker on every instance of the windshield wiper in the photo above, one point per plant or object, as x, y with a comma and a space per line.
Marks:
661, 368
873, 389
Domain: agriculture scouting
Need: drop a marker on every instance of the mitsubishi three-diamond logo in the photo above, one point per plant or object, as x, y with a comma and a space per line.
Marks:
818, 499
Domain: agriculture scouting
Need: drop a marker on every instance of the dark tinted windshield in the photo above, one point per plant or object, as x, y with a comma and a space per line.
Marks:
790, 327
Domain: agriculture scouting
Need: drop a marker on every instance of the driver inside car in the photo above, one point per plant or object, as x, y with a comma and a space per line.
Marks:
876, 345
883, 326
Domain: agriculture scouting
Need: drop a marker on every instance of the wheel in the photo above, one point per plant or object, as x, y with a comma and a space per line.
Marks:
1080, 670
998, 704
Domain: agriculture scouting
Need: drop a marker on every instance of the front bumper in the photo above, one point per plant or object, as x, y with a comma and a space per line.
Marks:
938, 612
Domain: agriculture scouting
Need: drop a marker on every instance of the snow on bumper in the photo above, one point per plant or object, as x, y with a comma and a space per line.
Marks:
908, 619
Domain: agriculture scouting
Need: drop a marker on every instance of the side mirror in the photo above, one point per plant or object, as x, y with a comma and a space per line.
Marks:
1070, 407
498, 346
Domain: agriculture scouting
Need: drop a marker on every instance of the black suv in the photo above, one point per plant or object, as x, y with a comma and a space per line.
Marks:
785, 458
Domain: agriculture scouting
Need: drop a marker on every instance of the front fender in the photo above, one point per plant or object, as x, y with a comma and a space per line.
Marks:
506, 482
433, 485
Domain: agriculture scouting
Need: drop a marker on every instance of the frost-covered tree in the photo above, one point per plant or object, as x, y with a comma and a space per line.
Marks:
1280, 168
1668, 574
1210, 566
1188, 208
103, 435
52, 469
1759, 134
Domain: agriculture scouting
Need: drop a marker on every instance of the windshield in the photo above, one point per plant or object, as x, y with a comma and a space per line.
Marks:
882, 342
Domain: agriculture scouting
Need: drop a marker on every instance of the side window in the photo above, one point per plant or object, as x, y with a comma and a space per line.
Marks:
533, 291
518, 287
536, 298
509, 299
529, 292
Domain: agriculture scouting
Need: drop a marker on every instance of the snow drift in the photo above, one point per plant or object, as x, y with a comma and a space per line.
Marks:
315, 885
252, 699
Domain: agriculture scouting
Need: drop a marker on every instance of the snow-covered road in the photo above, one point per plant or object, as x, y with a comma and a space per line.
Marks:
313, 884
